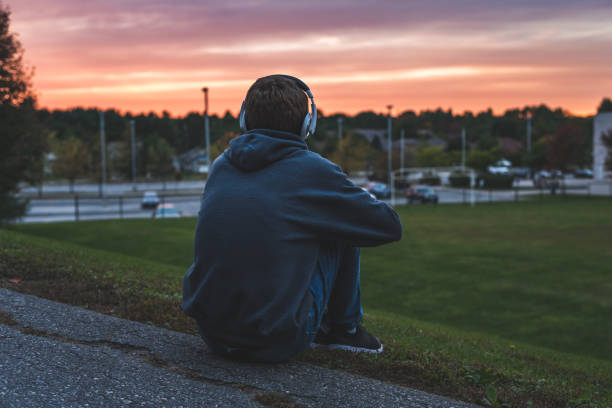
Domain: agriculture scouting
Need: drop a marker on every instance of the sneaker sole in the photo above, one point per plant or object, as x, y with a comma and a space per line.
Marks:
348, 348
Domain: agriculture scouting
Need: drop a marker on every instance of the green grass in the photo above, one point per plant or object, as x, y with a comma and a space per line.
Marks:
536, 273
513, 301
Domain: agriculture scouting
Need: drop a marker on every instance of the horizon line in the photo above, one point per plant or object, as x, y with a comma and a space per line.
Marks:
124, 112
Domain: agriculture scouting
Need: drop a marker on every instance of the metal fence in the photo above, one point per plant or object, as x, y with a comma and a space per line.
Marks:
79, 207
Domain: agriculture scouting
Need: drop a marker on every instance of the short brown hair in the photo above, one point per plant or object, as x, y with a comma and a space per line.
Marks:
275, 102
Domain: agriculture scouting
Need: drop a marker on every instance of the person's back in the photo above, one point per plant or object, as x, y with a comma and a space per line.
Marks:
270, 209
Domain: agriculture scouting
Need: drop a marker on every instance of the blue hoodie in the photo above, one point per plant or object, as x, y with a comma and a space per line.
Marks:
267, 206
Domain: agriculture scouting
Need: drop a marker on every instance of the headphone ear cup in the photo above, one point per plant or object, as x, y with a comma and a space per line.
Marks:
305, 131
242, 118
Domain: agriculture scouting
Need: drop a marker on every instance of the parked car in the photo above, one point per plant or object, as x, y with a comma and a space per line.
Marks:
424, 194
583, 173
380, 190
149, 200
557, 174
498, 170
547, 179
521, 172
166, 211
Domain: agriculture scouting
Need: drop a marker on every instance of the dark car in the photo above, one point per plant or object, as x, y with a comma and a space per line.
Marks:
424, 194
583, 173
380, 190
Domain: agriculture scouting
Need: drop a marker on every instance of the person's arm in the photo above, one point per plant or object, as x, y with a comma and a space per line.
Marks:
332, 208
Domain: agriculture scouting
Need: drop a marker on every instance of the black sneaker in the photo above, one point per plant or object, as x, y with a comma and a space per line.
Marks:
337, 339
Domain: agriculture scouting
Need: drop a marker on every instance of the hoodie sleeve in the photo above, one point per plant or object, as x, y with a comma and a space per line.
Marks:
332, 208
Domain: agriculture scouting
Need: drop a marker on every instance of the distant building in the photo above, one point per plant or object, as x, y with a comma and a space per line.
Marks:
425, 133
409, 144
426, 138
193, 160
509, 145
371, 134
436, 142
602, 123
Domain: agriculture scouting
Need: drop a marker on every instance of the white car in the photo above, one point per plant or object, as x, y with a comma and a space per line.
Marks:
166, 211
149, 200
498, 170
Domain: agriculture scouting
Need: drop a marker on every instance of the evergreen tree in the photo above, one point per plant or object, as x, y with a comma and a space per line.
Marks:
22, 142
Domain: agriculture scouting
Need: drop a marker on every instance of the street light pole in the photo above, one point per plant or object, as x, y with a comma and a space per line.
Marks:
206, 126
529, 129
339, 128
102, 154
133, 143
389, 164
463, 149
402, 134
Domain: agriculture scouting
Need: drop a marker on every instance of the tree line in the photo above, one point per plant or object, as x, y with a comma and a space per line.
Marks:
560, 140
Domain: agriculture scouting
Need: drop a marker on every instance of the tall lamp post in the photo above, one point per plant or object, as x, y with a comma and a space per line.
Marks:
102, 154
206, 126
389, 107
133, 145
529, 129
462, 149
402, 153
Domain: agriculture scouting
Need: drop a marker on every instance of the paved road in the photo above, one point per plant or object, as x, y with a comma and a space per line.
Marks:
186, 198
115, 188
63, 209
54, 355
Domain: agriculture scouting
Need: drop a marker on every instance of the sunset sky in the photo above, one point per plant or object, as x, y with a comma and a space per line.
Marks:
142, 55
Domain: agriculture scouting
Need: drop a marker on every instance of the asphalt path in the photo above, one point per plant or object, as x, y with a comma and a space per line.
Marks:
55, 355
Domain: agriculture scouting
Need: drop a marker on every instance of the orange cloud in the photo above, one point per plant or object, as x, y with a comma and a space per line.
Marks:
355, 55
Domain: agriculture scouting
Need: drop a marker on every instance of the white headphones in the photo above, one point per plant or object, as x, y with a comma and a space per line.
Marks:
310, 120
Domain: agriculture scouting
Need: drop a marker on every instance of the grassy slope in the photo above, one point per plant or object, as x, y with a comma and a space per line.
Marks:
430, 357
537, 273
527, 276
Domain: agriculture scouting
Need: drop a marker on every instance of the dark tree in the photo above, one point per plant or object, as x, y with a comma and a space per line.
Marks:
605, 105
566, 146
22, 142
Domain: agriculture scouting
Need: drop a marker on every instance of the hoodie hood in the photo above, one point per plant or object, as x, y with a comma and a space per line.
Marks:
258, 148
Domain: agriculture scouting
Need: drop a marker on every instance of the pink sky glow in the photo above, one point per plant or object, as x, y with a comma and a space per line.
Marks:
143, 55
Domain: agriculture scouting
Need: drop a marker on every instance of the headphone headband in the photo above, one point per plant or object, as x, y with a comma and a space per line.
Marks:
310, 120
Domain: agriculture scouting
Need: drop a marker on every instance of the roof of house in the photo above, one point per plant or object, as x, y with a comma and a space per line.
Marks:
509, 145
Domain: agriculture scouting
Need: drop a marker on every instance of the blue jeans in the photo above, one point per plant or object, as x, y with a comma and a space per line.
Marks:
337, 300
335, 285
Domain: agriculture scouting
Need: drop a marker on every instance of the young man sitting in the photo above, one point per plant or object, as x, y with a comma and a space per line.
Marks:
276, 265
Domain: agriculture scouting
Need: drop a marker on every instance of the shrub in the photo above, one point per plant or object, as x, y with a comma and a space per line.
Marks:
495, 181
460, 180
430, 180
